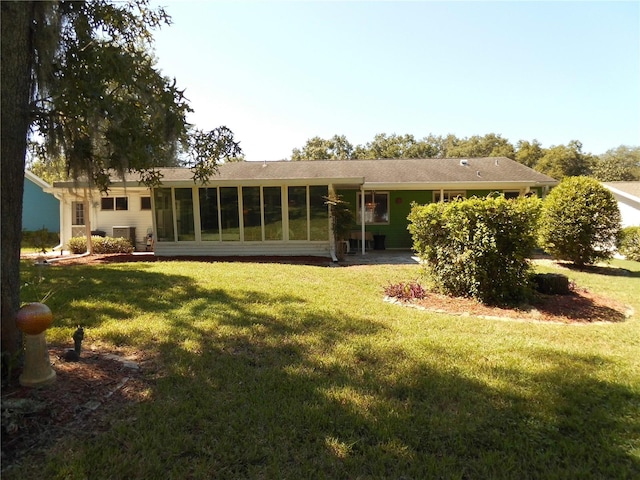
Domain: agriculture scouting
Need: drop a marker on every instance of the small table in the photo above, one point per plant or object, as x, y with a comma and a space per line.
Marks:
357, 235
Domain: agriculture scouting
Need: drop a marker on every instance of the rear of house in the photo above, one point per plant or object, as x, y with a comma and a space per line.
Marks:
279, 208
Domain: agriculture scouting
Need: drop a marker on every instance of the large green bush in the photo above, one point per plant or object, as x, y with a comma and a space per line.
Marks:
477, 247
100, 245
630, 243
580, 221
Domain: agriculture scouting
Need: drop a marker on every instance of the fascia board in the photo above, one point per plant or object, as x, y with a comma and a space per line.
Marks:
620, 193
456, 185
265, 182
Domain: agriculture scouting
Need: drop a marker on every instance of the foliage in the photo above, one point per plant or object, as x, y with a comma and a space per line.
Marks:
316, 148
100, 245
529, 153
565, 161
629, 245
580, 221
477, 247
405, 291
41, 239
619, 164
342, 220
85, 90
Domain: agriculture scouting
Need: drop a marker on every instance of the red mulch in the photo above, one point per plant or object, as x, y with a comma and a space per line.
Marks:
581, 306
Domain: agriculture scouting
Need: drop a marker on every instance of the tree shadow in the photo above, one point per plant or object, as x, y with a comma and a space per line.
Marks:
314, 393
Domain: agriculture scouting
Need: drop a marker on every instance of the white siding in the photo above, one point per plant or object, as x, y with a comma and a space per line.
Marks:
288, 249
103, 220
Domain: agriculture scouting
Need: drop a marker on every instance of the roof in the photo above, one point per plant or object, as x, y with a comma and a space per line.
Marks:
630, 190
35, 179
384, 172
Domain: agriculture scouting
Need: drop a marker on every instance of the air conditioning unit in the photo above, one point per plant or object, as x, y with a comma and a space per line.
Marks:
126, 232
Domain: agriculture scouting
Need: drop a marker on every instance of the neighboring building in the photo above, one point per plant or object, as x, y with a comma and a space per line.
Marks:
39, 208
279, 208
627, 194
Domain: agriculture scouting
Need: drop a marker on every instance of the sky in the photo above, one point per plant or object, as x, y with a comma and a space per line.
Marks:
280, 73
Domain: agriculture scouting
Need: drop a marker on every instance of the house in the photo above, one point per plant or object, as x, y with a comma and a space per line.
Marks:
39, 208
124, 212
279, 208
627, 194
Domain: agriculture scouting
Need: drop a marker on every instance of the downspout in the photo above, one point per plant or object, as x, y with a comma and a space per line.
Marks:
332, 236
362, 218
60, 246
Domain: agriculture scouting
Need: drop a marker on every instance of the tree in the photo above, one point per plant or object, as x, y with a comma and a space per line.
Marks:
316, 148
619, 164
565, 161
396, 146
580, 221
489, 145
529, 153
78, 78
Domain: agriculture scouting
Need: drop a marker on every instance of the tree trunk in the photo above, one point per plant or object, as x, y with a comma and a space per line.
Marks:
15, 92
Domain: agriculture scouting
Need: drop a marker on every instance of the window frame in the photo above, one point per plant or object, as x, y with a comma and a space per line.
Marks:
110, 204
374, 194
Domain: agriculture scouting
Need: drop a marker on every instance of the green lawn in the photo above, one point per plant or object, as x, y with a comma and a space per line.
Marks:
290, 371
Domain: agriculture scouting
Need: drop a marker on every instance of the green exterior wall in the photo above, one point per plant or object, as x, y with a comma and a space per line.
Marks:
396, 234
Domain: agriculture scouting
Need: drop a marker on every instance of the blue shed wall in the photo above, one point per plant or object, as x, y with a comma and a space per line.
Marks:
39, 209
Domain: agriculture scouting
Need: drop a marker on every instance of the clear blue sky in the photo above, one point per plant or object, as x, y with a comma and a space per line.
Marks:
279, 73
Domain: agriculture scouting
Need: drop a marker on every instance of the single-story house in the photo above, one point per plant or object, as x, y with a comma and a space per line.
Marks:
627, 194
279, 208
39, 208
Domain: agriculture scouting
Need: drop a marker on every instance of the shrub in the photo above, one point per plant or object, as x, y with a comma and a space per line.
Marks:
580, 221
405, 291
478, 247
630, 243
100, 245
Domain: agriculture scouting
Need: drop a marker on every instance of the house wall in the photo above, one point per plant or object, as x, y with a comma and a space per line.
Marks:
629, 211
105, 220
396, 234
40, 209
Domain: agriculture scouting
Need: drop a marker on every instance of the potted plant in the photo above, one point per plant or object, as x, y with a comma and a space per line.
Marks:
341, 223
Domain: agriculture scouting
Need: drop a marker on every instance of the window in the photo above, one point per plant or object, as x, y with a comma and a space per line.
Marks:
164, 214
376, 206
120, 203
77, 213
145, 203
184, 214
449, 195
272, 197
297, 213
209, 227
229, 217
251, 216
318, 213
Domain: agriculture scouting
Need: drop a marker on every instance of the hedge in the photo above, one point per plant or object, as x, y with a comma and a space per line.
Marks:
100, 244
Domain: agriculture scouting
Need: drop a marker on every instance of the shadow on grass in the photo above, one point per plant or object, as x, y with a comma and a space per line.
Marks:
602, 270
315, 394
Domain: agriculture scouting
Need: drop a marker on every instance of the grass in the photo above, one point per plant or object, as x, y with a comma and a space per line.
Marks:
290, 371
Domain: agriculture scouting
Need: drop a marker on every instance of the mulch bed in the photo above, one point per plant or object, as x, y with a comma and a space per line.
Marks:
81, 401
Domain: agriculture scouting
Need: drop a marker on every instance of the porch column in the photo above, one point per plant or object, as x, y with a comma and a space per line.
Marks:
362, 219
